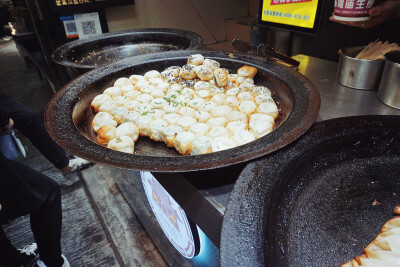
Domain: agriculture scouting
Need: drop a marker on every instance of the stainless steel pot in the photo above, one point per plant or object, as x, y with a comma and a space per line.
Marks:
389, 88
358, 73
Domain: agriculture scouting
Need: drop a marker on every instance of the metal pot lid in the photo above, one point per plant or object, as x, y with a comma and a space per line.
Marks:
68, 116
312, 202
107, 48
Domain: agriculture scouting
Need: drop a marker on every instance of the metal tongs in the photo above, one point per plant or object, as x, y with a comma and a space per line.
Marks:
263, 50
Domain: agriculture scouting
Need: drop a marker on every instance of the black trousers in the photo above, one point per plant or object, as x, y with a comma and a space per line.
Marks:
25, 191
31, 125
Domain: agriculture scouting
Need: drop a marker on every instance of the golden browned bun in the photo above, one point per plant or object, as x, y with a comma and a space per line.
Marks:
105, 134
221, 77
169, 133
247, 71
183, 142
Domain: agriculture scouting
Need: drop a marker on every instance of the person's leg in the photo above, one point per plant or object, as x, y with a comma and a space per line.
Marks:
32, 126
9, 256
46, 228
26, 191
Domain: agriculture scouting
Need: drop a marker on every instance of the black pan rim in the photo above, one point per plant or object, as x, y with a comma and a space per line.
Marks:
58, 120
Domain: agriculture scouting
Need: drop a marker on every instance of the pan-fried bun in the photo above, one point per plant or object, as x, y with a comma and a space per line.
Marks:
211, 63
220, 77
234, 126
105, 134
222, 143
122, 144
260, 128
102, 119
247, 71
113, 91
122, 81
169, 133
242, 137
196, 59
118, 113
156, 128
98, 100
269, 109
187, 72
201, 145
199, 128
218, 131
128, 129
143, 124
107, 106
217, 121
183, 142
152, 74
205, 73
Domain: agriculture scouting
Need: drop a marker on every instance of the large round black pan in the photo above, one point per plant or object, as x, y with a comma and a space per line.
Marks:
69, 115
312, 202
99, 50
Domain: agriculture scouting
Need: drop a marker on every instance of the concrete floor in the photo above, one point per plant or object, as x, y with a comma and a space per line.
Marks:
99, 228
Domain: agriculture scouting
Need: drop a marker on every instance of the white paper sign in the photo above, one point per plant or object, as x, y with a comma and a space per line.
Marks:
169, 215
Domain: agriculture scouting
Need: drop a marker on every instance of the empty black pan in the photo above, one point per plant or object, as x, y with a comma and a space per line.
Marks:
312, 202
99, 50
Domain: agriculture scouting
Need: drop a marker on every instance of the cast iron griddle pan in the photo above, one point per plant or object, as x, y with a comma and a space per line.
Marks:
69, 116
99, 50
311, 203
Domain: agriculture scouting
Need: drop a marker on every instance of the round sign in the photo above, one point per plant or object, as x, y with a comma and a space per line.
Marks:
173, 221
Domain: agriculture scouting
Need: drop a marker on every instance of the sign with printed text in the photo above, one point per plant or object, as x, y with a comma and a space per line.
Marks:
170, 216
280, 2
299, 13
353, 7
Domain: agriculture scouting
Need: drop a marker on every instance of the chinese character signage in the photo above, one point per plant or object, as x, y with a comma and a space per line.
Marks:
351, 9
298, 13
